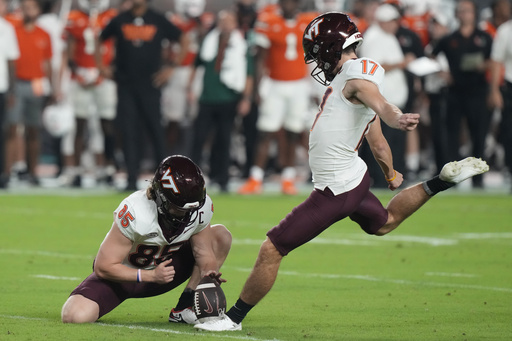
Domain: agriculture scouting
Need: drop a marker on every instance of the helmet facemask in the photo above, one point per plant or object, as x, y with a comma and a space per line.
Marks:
178, 190
323, 72
172, 218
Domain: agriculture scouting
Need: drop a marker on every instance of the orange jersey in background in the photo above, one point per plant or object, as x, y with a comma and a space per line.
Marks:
285, 60
35, 47
488, 27
418, 24
194, 29
84, 29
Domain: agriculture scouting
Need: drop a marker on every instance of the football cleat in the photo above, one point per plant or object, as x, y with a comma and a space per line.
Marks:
223, 323
458, 171
288, 187
186, 315
251, 186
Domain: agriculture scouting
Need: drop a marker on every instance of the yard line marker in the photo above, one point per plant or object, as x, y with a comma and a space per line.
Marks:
57, 277
158, 330
449, 274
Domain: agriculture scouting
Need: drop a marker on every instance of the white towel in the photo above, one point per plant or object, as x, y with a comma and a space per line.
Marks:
233, 72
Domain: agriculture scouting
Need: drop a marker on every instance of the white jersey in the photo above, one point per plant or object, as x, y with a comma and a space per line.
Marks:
339, 130
137, 220
502, 49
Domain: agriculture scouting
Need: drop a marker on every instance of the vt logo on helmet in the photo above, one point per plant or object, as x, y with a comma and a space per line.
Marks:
324, 40
178, 189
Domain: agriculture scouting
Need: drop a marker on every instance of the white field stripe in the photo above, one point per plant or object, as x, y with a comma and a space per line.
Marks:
433, 241
487, 235
44, 253
61, 213
313, 275
158, 330
321, 241
449, 274
58, 278
383, 280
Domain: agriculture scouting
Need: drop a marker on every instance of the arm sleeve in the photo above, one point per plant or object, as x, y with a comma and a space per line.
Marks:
48, 51
488, 46
417, 46
499, 46
171, 31
12, 50
110, 30
439, 47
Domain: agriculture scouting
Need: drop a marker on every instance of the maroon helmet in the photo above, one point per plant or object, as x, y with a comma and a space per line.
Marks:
324, 40
179, 192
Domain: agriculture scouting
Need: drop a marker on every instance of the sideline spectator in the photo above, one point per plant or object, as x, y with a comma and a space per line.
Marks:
9, 52
468, 50
381, 44
247, 15
501, 96
226, 91
33, 73
436, 87
139, 73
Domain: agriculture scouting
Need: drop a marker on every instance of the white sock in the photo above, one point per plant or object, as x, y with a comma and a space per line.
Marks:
257, 173
288, 174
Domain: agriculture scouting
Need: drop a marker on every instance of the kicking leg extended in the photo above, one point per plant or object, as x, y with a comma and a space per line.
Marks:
411, 199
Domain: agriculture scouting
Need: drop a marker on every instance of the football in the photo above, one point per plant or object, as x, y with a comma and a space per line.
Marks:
209, 300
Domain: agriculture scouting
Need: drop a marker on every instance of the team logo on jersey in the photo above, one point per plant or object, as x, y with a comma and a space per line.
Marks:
313, 30
168, 181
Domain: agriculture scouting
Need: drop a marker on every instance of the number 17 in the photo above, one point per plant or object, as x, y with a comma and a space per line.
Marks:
365, 67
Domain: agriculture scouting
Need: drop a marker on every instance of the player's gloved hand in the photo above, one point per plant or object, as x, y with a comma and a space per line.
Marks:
215, 276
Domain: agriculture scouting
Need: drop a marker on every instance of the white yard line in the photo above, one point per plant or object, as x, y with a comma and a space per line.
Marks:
158, 330
58, 278
44, 253
383, 280
449, 274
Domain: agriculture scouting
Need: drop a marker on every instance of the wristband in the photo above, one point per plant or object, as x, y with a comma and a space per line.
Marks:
393, 178
139, 277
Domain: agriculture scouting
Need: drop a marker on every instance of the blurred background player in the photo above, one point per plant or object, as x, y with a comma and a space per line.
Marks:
93, 96
285, 101
468, 51
9, 52
194, 23
33, 86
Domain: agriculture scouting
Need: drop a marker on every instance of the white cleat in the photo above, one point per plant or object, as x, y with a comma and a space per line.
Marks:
458, 171
223, 323
186, 315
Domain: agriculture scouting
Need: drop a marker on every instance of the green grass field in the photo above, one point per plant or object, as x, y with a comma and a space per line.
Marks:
445, 274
